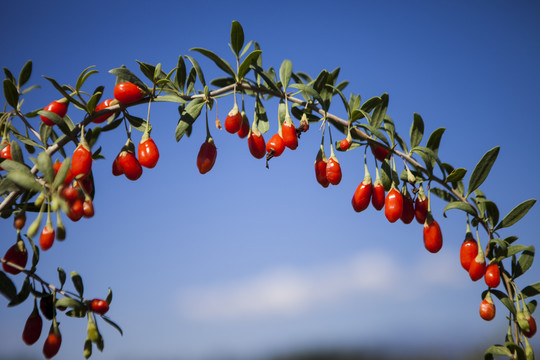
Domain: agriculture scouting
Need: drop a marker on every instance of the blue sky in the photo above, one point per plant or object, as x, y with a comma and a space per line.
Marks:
245, 260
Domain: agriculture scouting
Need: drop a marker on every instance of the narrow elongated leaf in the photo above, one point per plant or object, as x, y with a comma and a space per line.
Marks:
460, 205
498, 350
113, 324
190, 113
456, 175
11, 165
370, 104
11, 94
62, 91
237, 37
417, 130
443, 194
379, 112
482, 169
61, 277
505, 300
198, 69
246, 48
181, 74
24, 180
45, 166
285, 73
308, 90
7, 288
266, 77
77, 282
531, 290
525, 261
25, 73
125, 74
16, 152
222, 64
85, 74
69, 302
434, 140
62, 173
320, 81
170, 98
109, 297
260, 116
245, 65
23, 294
190, 83
516, 214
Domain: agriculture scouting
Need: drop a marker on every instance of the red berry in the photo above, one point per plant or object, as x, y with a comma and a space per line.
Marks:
288, 132
233, 122
101, 106
46, 239
478, 267
207, 156
333, 171
275, 145
70, 194
421, 207
393, 205
492, 276
320, 169
57, 107
378, 196
256, 144
52, 343
130, 165
407, 215
244, 127
487, 309
99, 306
433, 239
19, 220
532, 327
468, 251
362, 195
88, 208
128, 93
17, 255
379, 152
81, 162
116, 169
69, 175
345, 144
5, 153
76, 210
32, 328
148, 153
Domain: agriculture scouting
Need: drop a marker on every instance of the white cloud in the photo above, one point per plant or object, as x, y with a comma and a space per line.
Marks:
288, 290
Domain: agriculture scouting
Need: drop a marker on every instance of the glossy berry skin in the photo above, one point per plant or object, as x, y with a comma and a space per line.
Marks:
378, 196
467, 253
233, 122
257, 145
5, 153
362, 196
116, 169
88, 208
477, 268
32, 328
345, 144
99, 306
532, 327
46, 306
70, 194
52, 343
101, 106
128, 93
487, 310
148, 153
81, 162
380, 153
288, 133
59, 108
393, 205
420, 209
407, 214
76, 210
433, 239
130, 165
275, 145
244, 127
19, 220
492, 276
320, 172
69, 176
333, 171
16, 256
46, 239
206, 157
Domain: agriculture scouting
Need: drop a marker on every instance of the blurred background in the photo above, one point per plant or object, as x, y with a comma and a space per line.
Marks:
253, 263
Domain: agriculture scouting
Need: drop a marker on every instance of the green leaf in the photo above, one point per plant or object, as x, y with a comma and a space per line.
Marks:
198, 69
370, 104
285, 72
69, 302
443, 194
125, 75
237, 37
170, 98
320, 81
11, 93
260, 117
181, 73
7, 288
222, 64
51, 116
113, 324
16, 152
460, 205
498, 350
434, 140
492, 212
456, 175
45, 166
308, 90
61, 277
77, 313
245, 65
11, 165
77, 282
266, 77
516, 214
23, 294
109, 298
83, 76
64, 93
390, 128
505, 300
379, 112
137, 122
25, 73
190, 113
23, 179
524, 262
91, 104
482, 169
417, 130
531, 290
27, 90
